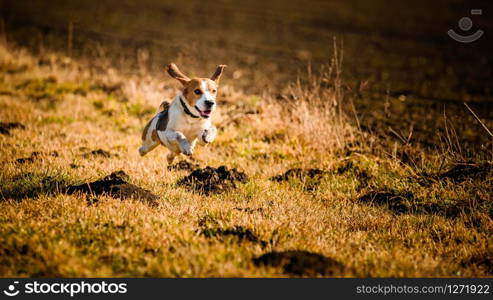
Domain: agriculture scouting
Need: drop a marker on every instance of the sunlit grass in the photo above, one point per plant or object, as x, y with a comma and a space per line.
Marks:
44, 232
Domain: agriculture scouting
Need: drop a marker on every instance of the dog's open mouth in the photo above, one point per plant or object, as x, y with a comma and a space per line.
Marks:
204, 113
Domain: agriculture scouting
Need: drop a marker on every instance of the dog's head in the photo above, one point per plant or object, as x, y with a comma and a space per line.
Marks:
199, 93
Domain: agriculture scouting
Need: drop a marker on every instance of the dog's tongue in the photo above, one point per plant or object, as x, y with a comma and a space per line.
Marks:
205, 113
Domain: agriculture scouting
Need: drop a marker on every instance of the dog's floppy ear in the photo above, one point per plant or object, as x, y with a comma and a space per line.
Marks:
174, 72
217, 74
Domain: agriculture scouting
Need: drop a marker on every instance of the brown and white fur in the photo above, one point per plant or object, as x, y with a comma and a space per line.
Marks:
187, 119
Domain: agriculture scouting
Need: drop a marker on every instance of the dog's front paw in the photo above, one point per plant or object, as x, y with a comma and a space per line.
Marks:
187, 150
209, 135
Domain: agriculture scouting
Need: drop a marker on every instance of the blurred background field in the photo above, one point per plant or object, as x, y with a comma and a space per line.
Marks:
397, 56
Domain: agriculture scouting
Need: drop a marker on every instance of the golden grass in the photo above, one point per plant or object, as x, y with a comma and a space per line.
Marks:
73, 107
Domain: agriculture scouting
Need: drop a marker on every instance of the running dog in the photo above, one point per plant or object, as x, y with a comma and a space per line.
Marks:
187, 119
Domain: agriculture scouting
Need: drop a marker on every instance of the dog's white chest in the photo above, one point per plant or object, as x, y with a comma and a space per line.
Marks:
191, 128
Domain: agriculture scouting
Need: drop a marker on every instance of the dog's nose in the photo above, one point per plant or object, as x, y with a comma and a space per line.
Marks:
209, 103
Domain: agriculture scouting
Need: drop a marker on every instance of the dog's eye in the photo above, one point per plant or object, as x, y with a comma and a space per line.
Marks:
214, 91
197, 91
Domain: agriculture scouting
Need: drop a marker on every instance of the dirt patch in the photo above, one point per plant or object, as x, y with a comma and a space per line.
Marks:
407, 203
213, 180
274, 137
249, 210
184, 166
458, 174
363, 176
6, 93
11, 69
481, 259
15, 250
345, 168
239, 232
5, 127
482, 221
398, 203
50, 99
311, 178
34, 156
210, 228
299, 173
301, 263
92, 201
36, 84
107, 88
31, 158
115, 89
99, 153
208, 221
115, 185
463, 172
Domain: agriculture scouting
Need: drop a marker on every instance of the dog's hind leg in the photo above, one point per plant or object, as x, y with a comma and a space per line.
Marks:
147, 146
150, 139
150, 142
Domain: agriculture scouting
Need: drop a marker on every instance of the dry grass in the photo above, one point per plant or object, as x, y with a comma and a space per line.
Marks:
434, 226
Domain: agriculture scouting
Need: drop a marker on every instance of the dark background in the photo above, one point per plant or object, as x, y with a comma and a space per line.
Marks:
393, 51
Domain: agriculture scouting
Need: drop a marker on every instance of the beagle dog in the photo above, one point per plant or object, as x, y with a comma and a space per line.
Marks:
187, 119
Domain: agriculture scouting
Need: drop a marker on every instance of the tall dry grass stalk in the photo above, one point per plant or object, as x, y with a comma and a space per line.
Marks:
311, 108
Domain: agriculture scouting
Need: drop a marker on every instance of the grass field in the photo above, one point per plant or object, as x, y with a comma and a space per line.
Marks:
353, 188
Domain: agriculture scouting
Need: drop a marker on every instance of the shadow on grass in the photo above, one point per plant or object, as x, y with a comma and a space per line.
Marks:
482, 259
116, 185
301, 263
6, 127
408, 203
309, 178
31, 185
459, 173
210, 228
